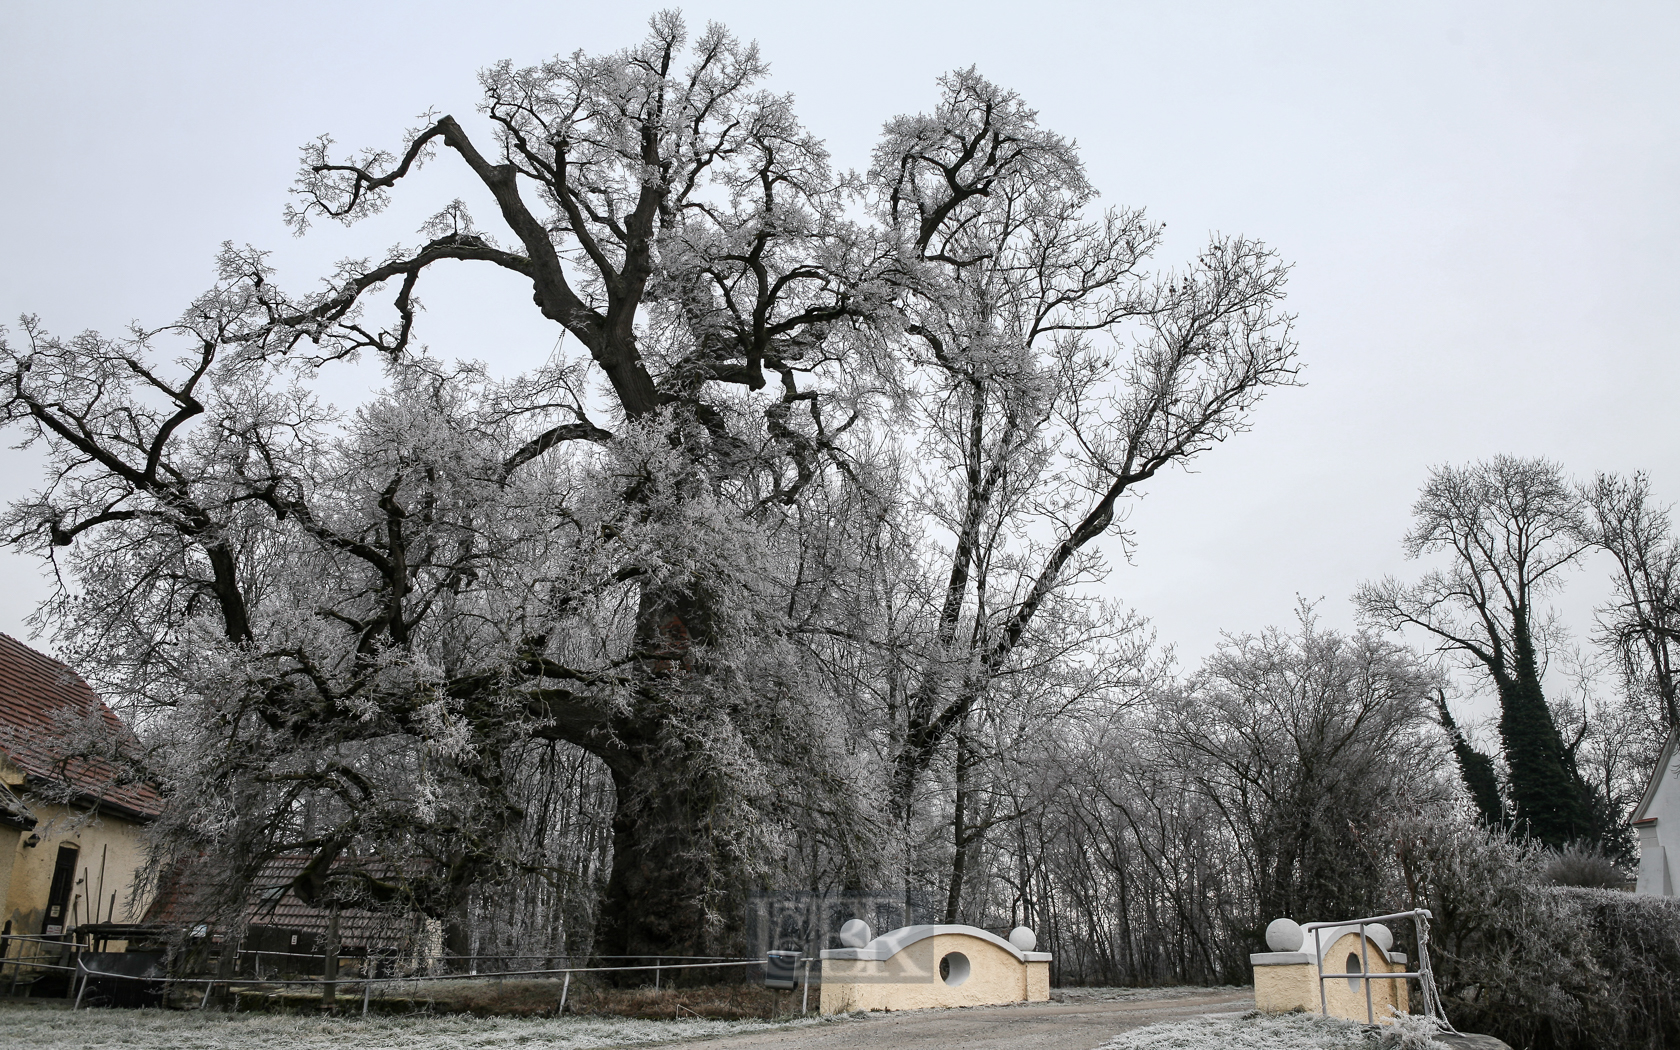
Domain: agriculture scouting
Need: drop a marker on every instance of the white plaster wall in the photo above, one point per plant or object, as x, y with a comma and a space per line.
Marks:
1654, 876
1659, 843
1285, 982
908, 978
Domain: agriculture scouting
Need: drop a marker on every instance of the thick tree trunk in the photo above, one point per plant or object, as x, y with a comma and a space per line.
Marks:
959, 831
1547, 794
457, 939
675, 888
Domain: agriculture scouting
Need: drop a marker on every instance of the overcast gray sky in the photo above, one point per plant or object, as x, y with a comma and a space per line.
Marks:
1479, 200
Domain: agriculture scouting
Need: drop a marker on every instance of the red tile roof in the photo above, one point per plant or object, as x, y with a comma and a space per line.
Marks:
42, 703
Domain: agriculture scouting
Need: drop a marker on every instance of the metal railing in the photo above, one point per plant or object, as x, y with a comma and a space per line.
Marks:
1424, 975
33, 954
67, 955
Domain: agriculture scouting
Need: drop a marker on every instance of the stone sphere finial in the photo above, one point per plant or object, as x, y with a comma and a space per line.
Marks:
1285, 935
1023, 938
856, 933
1380, 935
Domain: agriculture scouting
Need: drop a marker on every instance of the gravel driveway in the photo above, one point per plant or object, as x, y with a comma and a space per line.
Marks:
1039, 1026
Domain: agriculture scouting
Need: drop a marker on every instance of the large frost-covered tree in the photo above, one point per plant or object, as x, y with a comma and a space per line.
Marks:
688, 233
336, 631
336, 628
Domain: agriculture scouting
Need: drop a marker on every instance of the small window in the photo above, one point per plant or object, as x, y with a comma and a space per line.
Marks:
953, 969
1354, 967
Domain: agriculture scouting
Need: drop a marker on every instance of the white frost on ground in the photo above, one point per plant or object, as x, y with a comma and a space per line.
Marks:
190, 1030
1251, 1032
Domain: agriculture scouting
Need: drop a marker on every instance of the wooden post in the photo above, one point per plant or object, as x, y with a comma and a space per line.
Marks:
75, 939
565, 986
227, 962
103, 850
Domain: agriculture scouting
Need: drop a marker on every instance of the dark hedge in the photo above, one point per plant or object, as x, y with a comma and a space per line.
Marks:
1581, 969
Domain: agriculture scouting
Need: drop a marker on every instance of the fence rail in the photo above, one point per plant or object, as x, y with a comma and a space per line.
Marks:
49, 954
368, 983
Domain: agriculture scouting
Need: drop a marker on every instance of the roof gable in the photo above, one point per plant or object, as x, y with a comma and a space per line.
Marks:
1657, 773
41, 701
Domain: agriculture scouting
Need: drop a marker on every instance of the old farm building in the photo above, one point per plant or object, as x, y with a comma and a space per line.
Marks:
70, 829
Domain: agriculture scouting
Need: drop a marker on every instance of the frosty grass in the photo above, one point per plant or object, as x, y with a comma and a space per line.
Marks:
1277, 1032
189, 1030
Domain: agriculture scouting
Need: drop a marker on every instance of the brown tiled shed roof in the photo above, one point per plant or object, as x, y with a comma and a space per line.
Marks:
41, 702
272, 903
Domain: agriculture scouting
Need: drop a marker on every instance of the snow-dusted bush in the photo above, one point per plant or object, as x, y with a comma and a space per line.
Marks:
1408, 1032
1257, 1031
1535, 964
1636, 940
1586, 867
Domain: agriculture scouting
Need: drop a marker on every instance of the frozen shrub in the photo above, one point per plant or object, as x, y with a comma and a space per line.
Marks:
1509, 959
1586, 867
1636, 939
1409, 1032
1538, 965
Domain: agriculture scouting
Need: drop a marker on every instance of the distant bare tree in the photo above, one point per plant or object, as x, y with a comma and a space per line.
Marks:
1508, 528
1641, 624
1303, 742
1262, 785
